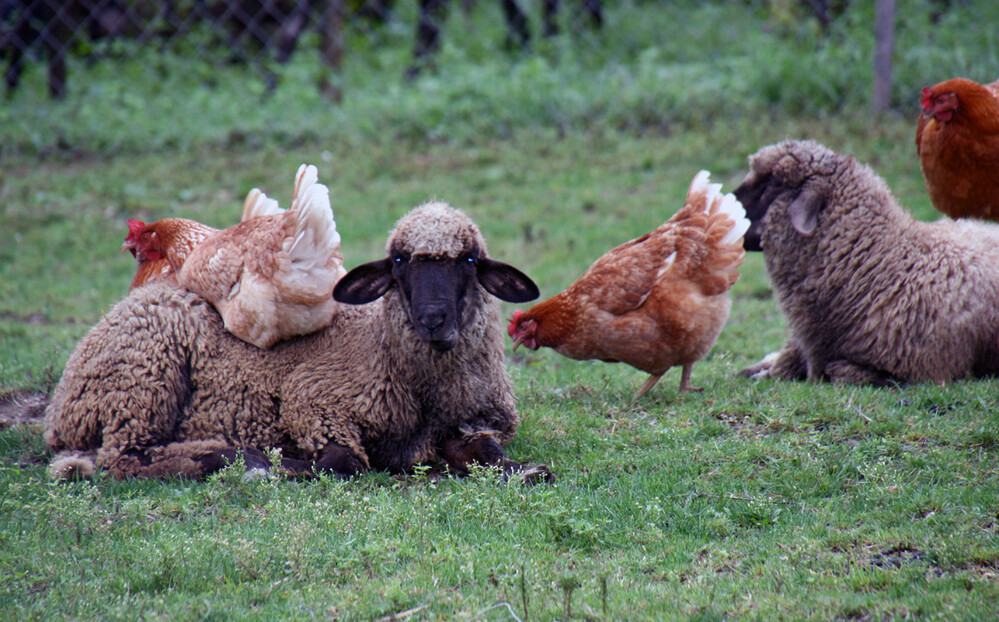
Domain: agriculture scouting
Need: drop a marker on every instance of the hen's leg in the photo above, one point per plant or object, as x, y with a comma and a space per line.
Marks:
685, 380
651, 382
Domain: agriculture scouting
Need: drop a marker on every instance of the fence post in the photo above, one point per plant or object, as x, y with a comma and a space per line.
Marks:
884, 48
331, 21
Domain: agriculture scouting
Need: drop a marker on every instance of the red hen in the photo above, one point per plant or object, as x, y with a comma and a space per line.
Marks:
957, 139
655, 302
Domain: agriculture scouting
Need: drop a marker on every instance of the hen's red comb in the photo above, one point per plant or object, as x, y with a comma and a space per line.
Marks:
926, 98
512, 326
135, 227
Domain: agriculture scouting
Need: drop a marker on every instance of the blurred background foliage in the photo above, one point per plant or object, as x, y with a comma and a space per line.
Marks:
156, 74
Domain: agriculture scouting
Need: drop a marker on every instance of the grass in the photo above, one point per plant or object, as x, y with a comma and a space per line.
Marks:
753, 500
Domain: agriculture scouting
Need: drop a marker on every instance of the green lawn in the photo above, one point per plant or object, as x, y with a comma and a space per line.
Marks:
753, 500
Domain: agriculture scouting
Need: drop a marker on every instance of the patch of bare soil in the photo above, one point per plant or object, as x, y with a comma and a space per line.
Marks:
22, 408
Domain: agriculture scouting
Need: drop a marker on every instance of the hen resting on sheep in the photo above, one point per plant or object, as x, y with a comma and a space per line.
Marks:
410, 370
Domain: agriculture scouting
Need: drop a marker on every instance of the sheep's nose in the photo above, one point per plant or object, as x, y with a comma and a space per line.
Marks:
432, 320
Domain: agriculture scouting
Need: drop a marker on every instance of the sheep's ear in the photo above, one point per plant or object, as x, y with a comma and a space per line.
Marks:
365, 283
506, 282
804, 211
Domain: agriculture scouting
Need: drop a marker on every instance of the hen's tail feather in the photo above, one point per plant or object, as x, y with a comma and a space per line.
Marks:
306, 177
723, 221
259, 204
710, 200
314, 249
315, 229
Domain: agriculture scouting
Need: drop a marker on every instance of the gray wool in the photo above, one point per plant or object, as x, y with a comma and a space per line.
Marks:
872, 295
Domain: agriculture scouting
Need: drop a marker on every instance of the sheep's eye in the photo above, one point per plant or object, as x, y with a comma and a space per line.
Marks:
398, 260
471, 260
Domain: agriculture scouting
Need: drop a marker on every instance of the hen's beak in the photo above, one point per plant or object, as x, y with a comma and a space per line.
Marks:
516, 342
128, 246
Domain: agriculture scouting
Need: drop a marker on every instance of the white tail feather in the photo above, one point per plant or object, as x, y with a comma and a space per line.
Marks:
306, 177
314, 249
731, 206
726, 204
259, 204
315, 229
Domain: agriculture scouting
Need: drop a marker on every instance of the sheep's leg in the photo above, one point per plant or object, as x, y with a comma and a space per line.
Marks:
849, 372
190, 459
461, 453
339, 460
334, 459
788, 364
254, 459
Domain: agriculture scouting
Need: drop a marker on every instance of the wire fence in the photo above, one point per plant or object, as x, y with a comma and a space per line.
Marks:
263, 34
111, 76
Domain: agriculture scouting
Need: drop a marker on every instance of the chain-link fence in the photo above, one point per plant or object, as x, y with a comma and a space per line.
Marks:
261, 33
79, 73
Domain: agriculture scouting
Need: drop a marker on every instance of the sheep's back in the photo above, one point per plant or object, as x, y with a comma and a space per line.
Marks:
917, 300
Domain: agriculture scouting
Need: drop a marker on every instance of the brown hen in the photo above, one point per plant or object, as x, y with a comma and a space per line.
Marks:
162, 247
957, 139
271, 277
655, 302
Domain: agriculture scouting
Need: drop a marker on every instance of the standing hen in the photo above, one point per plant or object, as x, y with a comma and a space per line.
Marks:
957, 139
161, 245
271, 277
655, 302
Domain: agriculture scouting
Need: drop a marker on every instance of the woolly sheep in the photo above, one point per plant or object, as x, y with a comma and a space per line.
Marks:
158, 388
870, 294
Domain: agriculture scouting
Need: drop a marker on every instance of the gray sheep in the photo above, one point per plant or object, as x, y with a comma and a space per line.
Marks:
413, 374
870, 294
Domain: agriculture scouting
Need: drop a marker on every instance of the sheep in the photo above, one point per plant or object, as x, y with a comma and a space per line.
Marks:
871, 295
410, 371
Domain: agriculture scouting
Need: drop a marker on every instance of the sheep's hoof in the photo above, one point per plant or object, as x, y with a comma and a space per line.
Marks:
340, 461
537, 474
760, 370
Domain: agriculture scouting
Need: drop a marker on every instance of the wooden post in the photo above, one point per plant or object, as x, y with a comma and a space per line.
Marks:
884, 48
331, 20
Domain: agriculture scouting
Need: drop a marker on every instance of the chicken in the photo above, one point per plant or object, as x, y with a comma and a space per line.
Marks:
271, 277
957, 139
655, 302
162, 246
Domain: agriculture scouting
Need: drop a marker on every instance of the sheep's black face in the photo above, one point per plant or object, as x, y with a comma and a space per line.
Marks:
435, 291
756, 194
